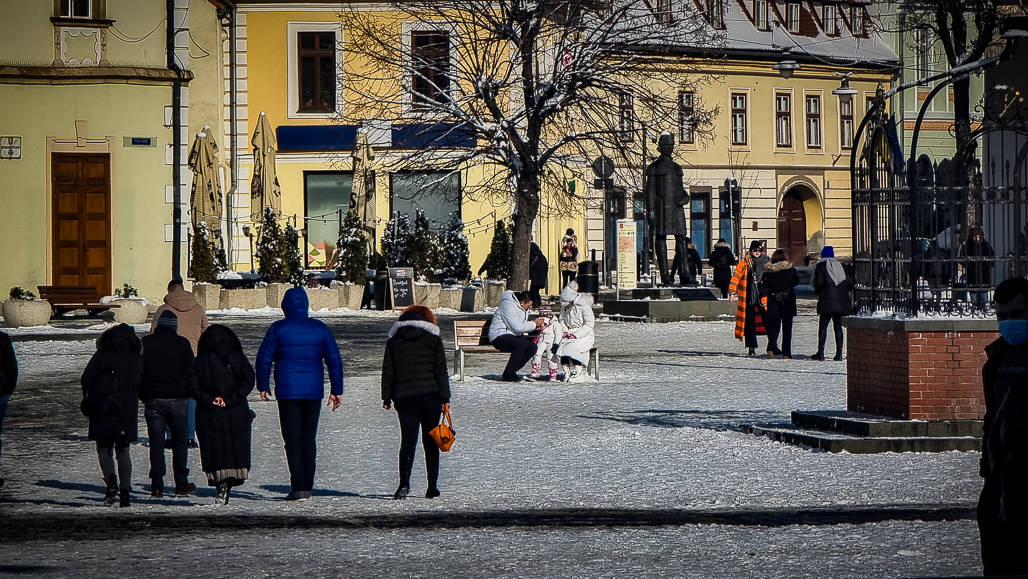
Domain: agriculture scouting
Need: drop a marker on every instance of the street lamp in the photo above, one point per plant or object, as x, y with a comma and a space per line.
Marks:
845, 90
787, 66
246, 232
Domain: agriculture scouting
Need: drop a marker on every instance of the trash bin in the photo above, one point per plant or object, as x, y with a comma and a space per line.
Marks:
589, 278
382, 289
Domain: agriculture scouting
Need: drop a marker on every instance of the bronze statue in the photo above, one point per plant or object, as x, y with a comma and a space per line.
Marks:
666, 204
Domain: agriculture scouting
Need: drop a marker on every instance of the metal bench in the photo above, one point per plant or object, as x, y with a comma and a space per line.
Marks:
472, 337
67, 298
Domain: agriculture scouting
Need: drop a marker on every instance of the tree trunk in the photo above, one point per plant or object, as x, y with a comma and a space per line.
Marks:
527, 209
965, 156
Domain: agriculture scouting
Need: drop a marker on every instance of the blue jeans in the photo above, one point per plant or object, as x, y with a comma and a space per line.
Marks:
190, 422
161, 414
3, 411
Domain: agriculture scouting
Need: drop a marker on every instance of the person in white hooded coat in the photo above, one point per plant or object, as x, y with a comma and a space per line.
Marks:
576, 315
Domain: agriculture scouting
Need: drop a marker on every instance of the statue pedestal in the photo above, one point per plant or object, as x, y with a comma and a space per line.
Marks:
917, 369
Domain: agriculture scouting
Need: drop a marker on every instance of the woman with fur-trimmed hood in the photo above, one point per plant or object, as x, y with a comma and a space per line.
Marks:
415, 379
576, 315
780, 279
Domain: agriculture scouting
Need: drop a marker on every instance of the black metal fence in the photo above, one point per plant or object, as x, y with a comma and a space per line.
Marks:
930, 238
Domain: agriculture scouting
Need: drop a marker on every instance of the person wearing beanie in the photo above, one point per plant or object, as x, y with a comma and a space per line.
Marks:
165, 392
576, 318
745, 289
300, 348
415, 380
834, 300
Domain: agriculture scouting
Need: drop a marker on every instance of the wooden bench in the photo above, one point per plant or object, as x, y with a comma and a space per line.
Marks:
73, 297
472, 337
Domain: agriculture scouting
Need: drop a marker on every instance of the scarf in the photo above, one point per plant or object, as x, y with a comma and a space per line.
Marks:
835, 270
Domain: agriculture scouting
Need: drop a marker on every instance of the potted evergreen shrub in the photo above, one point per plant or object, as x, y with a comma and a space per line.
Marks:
353, 260
131, 309
25, 309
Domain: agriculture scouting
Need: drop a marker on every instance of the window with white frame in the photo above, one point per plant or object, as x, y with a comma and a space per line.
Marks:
663, 11
626, 116
846, 122
761, 17
829, 21
923, 52
783, 120
738, 118
792, 17
716, 13
813, 121
430, 68
686, 122
314, 70
75, 9
857, 22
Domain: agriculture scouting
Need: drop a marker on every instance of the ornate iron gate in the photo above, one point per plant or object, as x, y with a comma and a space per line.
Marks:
930, 239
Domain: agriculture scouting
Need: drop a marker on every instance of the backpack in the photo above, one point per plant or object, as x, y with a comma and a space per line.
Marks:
100, 400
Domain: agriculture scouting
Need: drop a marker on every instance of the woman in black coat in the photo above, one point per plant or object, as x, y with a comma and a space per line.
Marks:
415, 379
538, 271
110, 399
778, 283
833, 286
224, 378
722, 261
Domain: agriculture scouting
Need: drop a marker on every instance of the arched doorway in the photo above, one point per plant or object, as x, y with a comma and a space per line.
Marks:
792, 227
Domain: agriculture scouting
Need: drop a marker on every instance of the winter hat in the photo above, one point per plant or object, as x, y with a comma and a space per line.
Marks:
570, 292
828, 251
168, 319
756, 245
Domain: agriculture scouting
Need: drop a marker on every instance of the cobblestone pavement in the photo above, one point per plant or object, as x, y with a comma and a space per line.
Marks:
644, 473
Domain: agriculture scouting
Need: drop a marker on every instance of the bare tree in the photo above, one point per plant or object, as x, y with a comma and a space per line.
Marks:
965, 29
534, 89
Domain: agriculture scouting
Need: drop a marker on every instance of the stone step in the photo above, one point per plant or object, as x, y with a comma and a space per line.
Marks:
857, 424
836, 442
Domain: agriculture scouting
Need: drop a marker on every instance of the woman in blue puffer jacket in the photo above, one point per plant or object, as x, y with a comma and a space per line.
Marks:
299, 347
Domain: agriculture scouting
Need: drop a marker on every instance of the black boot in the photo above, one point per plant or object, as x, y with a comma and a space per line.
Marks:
124, 498
112, 491
401, 493
432, 492
223, 491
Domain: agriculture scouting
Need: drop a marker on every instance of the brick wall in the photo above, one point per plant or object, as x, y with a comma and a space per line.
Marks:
915, 373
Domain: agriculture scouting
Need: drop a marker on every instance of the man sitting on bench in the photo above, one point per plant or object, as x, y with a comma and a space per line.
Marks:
508, 328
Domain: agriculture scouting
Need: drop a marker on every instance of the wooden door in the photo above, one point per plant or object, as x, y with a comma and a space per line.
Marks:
81, 219
792, 228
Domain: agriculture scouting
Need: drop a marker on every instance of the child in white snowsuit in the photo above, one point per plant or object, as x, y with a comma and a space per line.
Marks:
548, 333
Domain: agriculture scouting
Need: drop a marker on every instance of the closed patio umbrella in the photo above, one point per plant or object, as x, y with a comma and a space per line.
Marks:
205, 200
265, 192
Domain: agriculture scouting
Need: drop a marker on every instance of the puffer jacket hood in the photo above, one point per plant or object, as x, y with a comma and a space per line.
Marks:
412, 329
779, 266
295, 303
180, 300
121, 338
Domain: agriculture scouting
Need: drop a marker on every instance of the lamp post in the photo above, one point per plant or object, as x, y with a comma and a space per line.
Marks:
246, 232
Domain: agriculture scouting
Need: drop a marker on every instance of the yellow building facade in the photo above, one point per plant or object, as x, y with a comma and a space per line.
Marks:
87, 90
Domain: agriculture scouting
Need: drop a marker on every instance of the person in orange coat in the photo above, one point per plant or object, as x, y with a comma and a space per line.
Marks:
749, 303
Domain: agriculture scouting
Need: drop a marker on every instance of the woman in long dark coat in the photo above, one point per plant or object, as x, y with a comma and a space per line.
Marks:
224, 378
538, 270
778, 284
110, 391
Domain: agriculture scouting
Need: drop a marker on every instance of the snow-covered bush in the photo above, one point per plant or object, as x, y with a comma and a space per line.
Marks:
423, 250
203, 266
455, 250
272, 266
497, 263
353, 249
394, 240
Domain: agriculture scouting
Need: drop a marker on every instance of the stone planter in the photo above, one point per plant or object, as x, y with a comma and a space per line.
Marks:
450, 298
129, 311
19, 313
493, 290
427, 295
274, 292
246, 299
208, 295
322, 298
350, 295
472, 300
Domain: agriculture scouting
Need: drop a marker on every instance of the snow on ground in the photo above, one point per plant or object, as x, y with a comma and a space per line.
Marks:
659, 432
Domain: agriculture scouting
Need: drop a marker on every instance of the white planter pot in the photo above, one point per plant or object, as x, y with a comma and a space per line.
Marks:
19, 313
129, 311
208, 295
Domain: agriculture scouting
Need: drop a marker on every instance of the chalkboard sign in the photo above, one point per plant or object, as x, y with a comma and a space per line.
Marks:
401, 286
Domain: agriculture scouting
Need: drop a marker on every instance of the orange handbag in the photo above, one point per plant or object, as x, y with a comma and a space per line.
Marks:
443, 434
